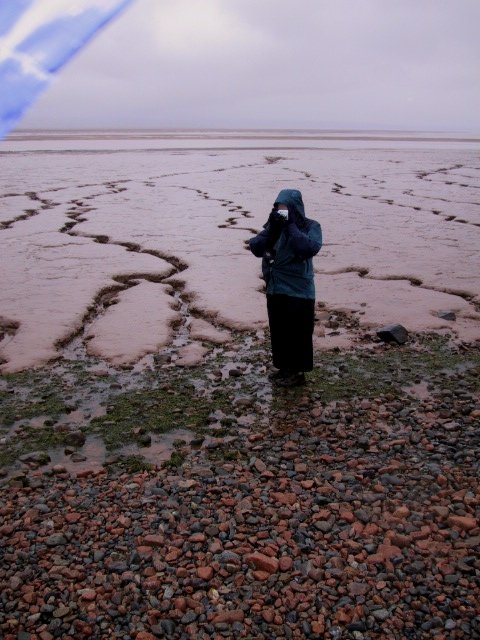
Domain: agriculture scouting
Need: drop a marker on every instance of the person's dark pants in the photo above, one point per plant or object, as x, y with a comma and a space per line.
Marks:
291, 322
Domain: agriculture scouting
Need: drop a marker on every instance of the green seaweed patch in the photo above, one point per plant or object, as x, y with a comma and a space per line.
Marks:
8, 454
177, 458
157, 411
369, 374
226, 454
134, 463
29, 395
33, 439
13, 411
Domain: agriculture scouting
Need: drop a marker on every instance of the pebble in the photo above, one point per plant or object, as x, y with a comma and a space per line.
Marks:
75, 438
380, 614
205, 573
55, 540
78, 457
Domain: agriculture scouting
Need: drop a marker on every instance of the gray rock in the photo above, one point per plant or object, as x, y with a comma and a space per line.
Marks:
380, 614
15, 582
452, 579
447, 315
323, 525
55, 540
168, 593
228, 556
42, 507
393, 333
362, 515
78, 457
162, 358
168, 627
19, 478
189, 617
38, 457
75, 438
391, 479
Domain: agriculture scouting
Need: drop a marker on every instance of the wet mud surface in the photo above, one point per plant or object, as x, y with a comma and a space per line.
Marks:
400, 224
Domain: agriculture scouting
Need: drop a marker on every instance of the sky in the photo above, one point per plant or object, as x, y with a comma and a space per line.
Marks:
312, 64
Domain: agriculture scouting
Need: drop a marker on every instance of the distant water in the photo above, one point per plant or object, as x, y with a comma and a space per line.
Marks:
166, 139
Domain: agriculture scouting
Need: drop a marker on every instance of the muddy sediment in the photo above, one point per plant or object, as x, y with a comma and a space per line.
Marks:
400, 236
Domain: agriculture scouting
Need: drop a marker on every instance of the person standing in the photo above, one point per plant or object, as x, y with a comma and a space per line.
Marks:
287, 244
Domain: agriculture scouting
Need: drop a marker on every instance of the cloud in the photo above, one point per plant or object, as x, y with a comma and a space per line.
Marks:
185, 28
276, 63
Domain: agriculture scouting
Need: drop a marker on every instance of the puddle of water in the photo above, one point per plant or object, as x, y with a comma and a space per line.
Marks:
37, 423
95, 451
239, 366
161, 447
419, 391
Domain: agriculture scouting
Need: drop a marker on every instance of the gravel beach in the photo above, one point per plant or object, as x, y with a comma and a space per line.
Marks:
319, 512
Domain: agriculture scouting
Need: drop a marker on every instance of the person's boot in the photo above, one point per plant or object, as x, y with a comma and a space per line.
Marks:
278, 375
292, 380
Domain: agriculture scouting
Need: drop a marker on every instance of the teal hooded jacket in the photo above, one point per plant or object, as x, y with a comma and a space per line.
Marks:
287, 267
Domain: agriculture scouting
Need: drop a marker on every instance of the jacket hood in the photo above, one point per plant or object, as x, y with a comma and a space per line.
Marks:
293, 199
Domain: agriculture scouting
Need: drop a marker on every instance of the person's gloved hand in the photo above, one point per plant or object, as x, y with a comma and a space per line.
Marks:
292, 215
275, 218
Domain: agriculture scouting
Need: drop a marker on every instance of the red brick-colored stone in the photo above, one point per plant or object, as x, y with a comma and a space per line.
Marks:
285, 563
261, 576
462, 522
384, 552
72, 517
262, 562
153, 540
229, 617
268, 615
205, 573
284, 498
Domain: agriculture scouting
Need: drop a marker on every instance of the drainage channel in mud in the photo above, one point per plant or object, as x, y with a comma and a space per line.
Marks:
41, 204
237, 209
74, 347
86, 386
422, 175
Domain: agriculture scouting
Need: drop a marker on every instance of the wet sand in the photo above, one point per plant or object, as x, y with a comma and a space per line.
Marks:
101, 230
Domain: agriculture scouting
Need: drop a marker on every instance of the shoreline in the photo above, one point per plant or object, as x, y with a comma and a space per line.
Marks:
41, 406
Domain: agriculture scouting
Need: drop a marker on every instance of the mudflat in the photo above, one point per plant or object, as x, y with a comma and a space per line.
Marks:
153, 220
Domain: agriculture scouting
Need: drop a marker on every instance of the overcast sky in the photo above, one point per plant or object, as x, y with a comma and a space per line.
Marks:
368, 64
